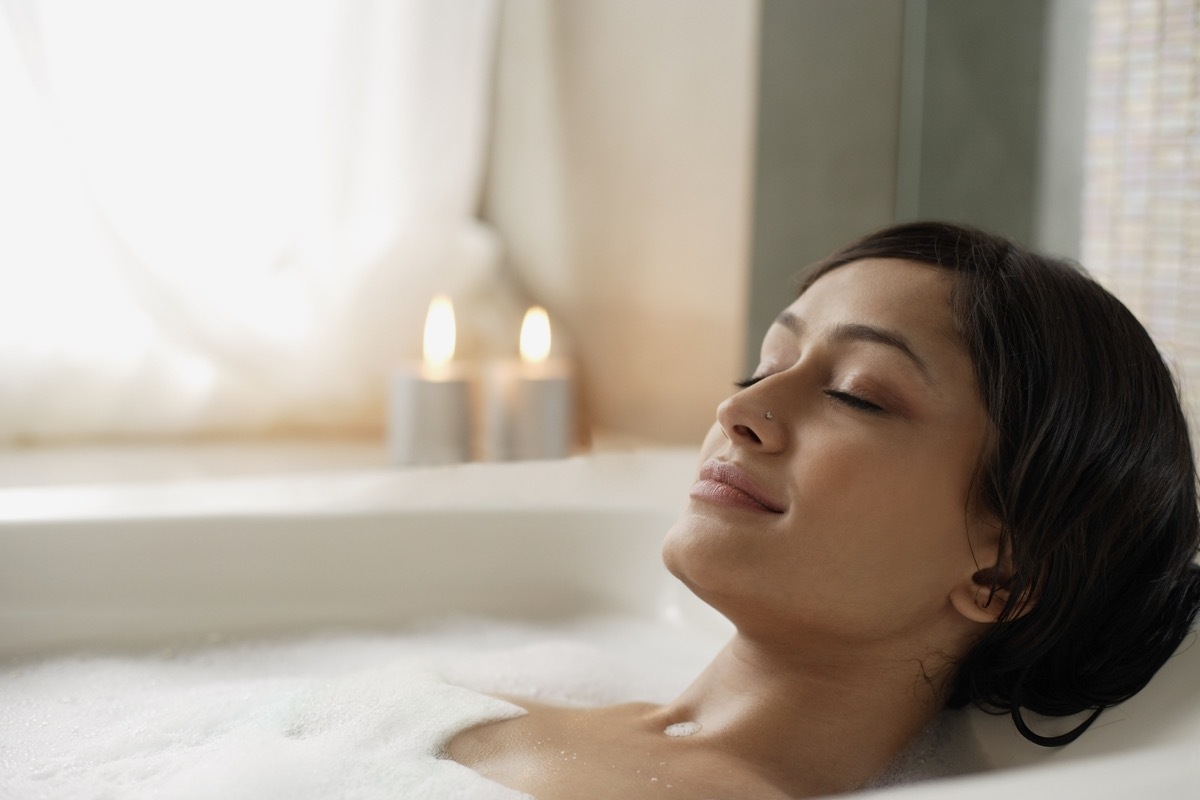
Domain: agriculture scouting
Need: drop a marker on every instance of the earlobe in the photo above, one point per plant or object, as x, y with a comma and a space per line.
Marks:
985, 596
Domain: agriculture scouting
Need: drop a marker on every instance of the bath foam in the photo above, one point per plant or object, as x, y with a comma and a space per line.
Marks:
688, 728
328, 716
373, 733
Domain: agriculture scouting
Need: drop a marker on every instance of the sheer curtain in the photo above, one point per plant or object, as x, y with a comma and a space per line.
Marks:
1142, 171
226, 216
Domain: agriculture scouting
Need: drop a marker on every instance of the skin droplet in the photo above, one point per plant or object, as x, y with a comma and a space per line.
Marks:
682, 729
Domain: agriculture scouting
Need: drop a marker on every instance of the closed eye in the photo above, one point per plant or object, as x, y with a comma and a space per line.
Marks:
855, 402
846, 399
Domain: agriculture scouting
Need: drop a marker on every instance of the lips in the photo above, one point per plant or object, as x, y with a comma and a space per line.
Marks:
725, 483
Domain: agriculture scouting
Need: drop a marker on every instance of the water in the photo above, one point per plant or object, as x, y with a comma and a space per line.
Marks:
355, 716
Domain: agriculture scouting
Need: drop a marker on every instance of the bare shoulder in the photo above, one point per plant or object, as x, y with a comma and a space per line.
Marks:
535, 735
554, 752
492, 741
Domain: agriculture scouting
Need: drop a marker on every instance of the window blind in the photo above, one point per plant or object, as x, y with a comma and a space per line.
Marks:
1141, 218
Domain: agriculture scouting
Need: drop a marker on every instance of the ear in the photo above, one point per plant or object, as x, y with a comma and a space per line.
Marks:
985, 595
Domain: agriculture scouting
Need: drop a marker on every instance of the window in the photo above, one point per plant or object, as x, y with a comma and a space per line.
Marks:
229, 216
1141, 219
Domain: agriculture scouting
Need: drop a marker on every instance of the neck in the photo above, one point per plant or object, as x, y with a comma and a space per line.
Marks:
814, 722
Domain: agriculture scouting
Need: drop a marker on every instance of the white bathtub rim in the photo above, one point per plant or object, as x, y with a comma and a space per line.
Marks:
651, 480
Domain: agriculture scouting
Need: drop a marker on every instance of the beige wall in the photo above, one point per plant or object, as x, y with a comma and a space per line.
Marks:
620, 185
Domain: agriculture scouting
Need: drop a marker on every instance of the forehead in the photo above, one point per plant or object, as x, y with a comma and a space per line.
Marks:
907, 296
906, 299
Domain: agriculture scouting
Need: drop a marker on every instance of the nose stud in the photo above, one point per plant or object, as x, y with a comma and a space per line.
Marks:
769, 415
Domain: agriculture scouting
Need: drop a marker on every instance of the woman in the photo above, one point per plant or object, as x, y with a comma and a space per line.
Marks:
959, 474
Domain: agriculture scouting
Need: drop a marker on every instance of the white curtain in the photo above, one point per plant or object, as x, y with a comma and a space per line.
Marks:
229, 216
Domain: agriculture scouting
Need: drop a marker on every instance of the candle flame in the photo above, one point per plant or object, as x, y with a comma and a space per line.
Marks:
439, 332
535, 336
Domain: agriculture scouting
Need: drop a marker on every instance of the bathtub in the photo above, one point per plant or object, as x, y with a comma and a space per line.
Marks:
135, 566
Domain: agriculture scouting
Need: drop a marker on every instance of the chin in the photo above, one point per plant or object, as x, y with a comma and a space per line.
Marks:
700, 553
671, 550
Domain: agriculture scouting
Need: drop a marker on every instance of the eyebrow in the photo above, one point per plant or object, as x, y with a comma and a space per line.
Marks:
858, 332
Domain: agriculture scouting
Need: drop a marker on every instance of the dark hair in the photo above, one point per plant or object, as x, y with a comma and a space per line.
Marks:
1089, 470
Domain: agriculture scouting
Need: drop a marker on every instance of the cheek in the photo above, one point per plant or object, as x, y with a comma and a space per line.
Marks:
907, 476
712, 441
879, 511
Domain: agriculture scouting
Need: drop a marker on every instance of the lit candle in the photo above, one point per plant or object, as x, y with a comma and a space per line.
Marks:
429, 410
528, 414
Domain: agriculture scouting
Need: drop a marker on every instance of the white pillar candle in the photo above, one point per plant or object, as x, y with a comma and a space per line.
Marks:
530, 403
429, 411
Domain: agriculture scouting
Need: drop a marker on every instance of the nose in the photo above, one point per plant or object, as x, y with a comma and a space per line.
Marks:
746, 420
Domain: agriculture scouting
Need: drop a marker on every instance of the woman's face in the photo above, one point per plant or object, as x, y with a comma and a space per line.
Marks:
833, 492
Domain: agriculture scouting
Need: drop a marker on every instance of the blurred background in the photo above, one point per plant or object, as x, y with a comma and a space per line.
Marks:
221, 222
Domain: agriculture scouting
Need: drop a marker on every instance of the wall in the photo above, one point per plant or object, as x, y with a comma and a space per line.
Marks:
620, 185
876, 111
1058, 227
828, 134
661, 169
981, 111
